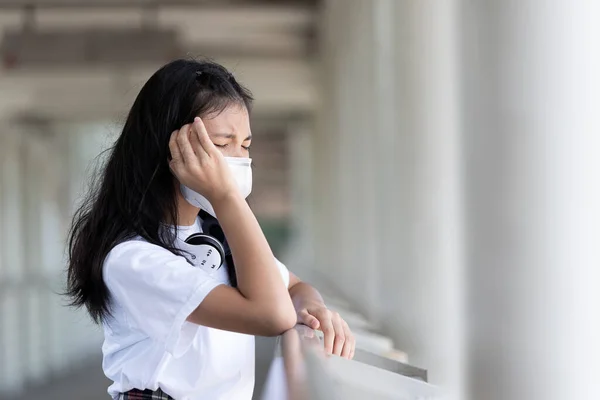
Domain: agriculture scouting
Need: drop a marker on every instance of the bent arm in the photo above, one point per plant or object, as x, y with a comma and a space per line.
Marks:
261, 304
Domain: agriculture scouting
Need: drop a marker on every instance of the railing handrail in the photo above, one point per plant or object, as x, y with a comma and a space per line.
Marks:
299, 370
388, 364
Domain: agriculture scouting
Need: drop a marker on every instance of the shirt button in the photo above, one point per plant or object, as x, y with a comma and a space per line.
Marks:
193, 257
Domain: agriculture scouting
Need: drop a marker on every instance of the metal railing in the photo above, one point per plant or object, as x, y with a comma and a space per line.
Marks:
300, 370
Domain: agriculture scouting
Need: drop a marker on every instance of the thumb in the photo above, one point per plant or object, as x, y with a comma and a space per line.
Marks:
304, 317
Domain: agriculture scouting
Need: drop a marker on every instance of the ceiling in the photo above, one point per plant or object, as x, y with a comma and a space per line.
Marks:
268, 45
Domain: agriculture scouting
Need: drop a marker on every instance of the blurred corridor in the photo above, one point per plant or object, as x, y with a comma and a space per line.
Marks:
431, 166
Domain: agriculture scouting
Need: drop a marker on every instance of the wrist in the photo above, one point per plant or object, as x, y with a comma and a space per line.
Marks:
305, 296
225, 200
302, 303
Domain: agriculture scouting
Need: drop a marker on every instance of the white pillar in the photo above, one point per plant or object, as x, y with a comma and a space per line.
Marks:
393, 139
326, 193
347, 152
85, 143
35, 317
300, 252
57, 213
532, 134
426, 315
12, 375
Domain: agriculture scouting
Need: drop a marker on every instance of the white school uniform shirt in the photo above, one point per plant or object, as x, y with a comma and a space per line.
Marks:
148, 344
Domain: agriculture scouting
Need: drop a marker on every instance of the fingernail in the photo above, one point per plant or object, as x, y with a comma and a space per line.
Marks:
196, 119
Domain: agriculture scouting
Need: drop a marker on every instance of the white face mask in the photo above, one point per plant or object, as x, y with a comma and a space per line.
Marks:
242, 173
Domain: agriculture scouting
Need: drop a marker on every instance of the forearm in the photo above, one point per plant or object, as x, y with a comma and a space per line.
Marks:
257, 275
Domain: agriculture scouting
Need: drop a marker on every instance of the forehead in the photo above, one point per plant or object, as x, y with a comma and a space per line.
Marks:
233, 119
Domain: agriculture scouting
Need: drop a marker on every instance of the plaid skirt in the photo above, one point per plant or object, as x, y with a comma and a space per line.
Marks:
147, 394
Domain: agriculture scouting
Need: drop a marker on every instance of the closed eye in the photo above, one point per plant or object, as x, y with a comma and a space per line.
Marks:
222, 146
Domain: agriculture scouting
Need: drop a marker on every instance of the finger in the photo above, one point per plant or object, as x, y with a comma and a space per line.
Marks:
328, 331
304, 317
349, 343
353, 347
203, 137
174, 148
195, 142
340, 335
183, 141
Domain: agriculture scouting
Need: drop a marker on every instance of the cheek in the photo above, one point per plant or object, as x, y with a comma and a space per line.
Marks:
226, 151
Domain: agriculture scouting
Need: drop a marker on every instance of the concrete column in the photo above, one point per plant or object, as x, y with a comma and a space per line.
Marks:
34, 165
29, 289
300, 252
350, 137
57, 213
12, 376
424, 274
85, 142
533, 197
326, 193
392, 107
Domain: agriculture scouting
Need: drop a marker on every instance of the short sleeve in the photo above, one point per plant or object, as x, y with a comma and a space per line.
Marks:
285, 274
158, 290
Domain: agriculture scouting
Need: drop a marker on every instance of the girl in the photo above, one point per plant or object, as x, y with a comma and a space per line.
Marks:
166, 254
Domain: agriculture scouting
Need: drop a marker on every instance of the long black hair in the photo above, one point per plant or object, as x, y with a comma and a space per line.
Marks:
135, 191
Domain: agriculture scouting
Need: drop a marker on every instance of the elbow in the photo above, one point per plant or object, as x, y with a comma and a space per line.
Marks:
280, 320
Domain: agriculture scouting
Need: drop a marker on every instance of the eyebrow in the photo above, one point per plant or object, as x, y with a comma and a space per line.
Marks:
229, 136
